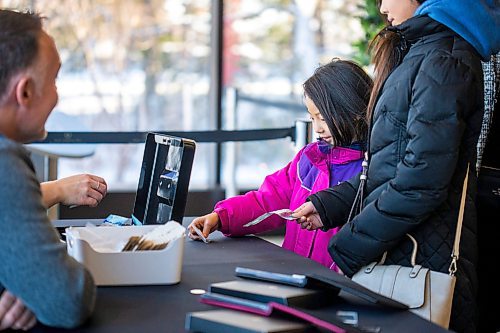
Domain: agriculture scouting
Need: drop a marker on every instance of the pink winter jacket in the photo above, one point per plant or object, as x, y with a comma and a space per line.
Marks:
314, 168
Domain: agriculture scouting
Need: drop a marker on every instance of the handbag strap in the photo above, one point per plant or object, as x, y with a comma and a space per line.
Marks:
456, 244
413, 259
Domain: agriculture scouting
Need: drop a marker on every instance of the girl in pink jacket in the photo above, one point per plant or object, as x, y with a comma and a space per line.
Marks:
336, 97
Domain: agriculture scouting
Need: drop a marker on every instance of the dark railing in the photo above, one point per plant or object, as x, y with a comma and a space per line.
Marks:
217, 136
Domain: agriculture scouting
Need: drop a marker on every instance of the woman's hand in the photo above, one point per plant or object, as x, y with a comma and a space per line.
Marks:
80, 190
308, 217
13, 313
207, 224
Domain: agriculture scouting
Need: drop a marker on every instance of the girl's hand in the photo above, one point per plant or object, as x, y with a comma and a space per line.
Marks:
308, 217
207, 224
13, 313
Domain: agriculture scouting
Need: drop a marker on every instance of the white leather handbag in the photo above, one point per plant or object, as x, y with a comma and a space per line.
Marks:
427, 293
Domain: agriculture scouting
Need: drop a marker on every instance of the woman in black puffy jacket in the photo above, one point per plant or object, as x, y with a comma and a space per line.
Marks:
426, 113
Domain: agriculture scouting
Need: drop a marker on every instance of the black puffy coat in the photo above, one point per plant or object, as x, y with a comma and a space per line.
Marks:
424, 131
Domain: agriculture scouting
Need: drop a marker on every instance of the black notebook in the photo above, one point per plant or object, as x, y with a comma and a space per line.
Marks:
275, 310
262, 291
228, 321
334, 283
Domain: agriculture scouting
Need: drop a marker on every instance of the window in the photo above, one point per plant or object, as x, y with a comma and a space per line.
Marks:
133, 65
270, 48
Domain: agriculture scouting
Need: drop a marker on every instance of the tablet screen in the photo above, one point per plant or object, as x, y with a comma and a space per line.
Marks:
164, 179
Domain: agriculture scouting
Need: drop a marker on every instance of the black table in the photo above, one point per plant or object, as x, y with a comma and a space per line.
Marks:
146, 309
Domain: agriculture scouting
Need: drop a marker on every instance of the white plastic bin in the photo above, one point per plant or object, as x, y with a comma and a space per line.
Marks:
125, 268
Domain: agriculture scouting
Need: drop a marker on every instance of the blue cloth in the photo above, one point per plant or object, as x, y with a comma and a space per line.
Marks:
477, 21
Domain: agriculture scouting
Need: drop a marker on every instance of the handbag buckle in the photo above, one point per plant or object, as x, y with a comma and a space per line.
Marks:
414, 271
369, 268
453, 265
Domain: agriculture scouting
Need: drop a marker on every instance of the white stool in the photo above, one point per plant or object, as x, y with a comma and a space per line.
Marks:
45, 155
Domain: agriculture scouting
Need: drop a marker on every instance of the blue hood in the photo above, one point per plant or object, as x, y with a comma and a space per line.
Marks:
477, 21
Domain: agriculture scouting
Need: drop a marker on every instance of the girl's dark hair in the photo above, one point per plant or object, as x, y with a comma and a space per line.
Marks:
386, 54
19, 33
341, 90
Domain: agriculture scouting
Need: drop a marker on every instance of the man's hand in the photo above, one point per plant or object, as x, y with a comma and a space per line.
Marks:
13, 313
79, 190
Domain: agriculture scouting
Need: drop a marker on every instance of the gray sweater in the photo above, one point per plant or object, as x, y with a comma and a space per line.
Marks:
34, 264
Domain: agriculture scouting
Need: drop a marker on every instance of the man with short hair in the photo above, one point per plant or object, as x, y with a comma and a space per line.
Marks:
38, 279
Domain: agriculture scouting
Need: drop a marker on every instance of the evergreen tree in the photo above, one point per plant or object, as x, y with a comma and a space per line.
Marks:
371, 22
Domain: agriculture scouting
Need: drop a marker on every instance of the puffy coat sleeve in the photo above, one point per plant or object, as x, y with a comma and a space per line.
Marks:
334, 204
439, 105
274, 193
